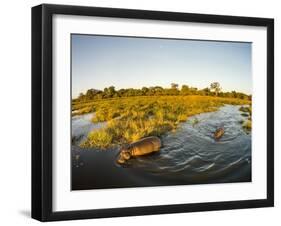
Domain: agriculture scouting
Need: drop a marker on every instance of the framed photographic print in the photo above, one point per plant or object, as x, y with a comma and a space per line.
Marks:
140, 112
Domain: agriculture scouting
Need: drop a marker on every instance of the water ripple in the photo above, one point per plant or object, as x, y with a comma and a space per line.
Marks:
192, 150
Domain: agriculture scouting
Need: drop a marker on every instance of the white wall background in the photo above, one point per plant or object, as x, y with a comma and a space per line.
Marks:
15, 129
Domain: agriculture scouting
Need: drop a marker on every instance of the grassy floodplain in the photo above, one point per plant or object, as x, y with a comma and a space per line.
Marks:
132, 118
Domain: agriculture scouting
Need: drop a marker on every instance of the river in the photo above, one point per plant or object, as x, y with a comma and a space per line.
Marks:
190, 155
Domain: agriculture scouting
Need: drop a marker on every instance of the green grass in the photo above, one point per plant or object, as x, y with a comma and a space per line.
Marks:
195, 122
245, 114
246, 109
247, 124
130, 119
100, 138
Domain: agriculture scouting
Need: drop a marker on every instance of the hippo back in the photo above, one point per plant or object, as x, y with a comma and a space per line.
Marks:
145, 146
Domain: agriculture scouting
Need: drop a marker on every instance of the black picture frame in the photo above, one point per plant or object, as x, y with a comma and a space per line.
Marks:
42, 111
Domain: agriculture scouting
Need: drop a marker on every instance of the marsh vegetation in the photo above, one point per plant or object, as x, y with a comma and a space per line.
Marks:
247, 112
129, 119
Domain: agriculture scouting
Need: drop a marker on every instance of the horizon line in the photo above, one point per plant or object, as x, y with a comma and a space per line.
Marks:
164, 87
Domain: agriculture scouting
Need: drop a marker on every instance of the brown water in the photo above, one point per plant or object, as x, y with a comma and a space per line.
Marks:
188, 156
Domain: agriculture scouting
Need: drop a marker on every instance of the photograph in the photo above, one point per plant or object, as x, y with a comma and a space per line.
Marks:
154, 111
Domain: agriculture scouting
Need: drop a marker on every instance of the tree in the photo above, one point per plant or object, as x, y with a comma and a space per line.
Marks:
111, 90
144, 90
105, 90
216, 87
193, 90
174, 86
81, 96
206, 91
234, 94
90, 93
185, 90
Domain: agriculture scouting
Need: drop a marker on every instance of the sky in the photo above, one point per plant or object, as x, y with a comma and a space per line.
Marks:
130, 62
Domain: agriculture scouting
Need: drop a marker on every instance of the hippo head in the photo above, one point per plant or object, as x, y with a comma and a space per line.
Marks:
124, 154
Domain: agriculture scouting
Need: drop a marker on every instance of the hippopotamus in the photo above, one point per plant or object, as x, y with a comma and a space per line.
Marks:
219, 133
144, 146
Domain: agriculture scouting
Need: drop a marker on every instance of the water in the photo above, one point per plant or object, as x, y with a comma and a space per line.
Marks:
82, 125
193, 151
190, 155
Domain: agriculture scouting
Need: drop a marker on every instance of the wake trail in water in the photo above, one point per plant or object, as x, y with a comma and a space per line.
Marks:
192, 149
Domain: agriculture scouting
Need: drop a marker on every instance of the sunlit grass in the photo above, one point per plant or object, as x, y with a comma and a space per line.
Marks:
130, 119
100, 138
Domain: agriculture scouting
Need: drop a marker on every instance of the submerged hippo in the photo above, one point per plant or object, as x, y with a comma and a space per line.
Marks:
144, 146
219, 133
